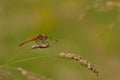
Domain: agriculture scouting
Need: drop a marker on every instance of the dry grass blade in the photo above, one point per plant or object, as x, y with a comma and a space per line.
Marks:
30, 76
3, 75
80, 59
113, 4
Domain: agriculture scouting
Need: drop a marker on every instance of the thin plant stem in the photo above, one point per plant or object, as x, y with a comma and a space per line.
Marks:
24, 60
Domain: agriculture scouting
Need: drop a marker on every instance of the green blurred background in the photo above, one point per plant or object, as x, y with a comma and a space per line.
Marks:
87, 27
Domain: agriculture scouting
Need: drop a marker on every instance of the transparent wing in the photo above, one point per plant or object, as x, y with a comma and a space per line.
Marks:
40, 44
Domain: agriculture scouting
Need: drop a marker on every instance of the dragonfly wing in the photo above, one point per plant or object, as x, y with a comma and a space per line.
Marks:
41, 45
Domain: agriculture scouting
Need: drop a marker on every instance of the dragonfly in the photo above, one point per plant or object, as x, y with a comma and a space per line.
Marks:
40, 42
